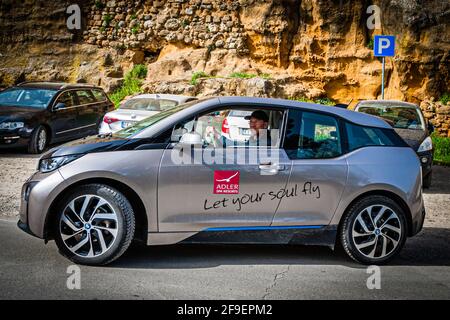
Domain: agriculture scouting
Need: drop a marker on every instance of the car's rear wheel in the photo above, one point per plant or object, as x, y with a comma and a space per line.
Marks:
94, 225
374, 230
38, 141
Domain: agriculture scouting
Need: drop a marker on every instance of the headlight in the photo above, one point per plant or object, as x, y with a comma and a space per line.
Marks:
426, 145
50, 164
11, 125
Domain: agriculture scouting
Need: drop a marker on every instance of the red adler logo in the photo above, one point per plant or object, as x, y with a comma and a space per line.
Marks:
226, 182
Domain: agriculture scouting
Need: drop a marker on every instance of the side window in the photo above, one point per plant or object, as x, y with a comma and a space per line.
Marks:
85, 97
99, 95
167, 104
234, 127
68, 98
359, 136
312, 136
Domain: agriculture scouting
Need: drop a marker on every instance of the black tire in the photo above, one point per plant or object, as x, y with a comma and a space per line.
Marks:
346, 229
34, 146
426, 183
125, 224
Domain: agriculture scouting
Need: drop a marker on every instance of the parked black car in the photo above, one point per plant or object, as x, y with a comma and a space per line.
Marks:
410, 124
35, 114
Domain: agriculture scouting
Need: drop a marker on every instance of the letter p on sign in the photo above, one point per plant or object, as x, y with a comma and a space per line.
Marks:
384, 46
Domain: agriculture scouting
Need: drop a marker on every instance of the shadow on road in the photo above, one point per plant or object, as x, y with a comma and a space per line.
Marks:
429, 248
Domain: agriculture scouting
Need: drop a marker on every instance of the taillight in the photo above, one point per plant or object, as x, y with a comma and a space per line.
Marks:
225, 126
109, 120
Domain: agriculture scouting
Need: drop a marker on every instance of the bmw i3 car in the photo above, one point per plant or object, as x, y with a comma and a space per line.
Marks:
328, 176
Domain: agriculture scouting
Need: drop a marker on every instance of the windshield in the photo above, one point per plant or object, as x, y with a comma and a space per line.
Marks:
397, 116
148, 122
148, 104
27, 97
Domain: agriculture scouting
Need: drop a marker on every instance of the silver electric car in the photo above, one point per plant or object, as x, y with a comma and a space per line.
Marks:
307, 174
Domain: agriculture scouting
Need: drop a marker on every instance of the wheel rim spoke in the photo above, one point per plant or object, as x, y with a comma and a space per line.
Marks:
69, 223
84, 241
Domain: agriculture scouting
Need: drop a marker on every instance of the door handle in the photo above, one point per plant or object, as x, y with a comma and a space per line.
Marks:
270, 168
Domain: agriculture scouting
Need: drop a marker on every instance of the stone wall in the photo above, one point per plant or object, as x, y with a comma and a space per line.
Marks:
299, 48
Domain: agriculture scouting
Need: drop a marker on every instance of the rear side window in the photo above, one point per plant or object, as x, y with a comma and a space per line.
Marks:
359, 136
85, 97
312, 136
99, 95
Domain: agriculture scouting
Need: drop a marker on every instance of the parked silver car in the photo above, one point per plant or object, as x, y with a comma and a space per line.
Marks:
324, 176
138, 108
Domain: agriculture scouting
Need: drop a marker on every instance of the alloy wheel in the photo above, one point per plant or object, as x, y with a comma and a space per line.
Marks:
89, 226
376, 231
42, 140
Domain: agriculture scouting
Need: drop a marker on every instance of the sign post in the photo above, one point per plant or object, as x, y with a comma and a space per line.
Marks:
384, 46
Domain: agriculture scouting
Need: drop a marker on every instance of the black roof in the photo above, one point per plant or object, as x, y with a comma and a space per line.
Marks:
55, 85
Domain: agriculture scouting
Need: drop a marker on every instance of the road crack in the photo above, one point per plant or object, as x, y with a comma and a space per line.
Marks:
277, 277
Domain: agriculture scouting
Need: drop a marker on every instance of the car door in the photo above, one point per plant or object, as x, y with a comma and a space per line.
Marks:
235, 187
63, 121
319, 169
88, 113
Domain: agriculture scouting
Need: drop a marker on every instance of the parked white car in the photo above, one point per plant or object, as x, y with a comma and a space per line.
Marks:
139, 108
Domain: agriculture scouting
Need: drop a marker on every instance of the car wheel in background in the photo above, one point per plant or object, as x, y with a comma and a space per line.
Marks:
95, 225
373, 230
38, 141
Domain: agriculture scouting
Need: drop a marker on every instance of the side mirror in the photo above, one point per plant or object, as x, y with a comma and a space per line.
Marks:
430, 127
191, 138
59, 106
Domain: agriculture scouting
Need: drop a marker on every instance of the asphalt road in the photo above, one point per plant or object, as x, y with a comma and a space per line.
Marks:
31, 270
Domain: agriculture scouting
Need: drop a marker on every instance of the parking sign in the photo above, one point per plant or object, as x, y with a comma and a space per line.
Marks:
384, 46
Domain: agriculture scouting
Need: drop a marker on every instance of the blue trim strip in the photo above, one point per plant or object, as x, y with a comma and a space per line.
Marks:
262, 228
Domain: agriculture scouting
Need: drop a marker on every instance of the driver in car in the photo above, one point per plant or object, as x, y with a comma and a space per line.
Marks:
259, 133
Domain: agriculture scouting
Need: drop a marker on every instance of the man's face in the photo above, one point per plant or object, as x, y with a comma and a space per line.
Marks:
256, 125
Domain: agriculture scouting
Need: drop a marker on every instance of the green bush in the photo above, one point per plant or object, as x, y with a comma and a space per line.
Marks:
131, 85
325, 101
107, 19
242, 75
441, 147
99, 4
445, 98
197, 75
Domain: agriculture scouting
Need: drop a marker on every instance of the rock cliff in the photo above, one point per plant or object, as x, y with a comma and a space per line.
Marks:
293, 48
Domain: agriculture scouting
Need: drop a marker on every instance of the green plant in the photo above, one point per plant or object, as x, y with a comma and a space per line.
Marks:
135, 30
131, 85
265, 76
325, 101
445, 98
99, 5
185, 23
441, 146
370, 44
197, 75
301, 99
242, 75
133, 16
107, 19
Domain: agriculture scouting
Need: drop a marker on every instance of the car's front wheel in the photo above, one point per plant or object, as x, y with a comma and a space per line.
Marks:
38, 141
94, 225
373, 230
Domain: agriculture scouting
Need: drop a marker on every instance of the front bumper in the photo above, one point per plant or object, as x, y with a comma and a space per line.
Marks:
38, 193
15, 138
426, 161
